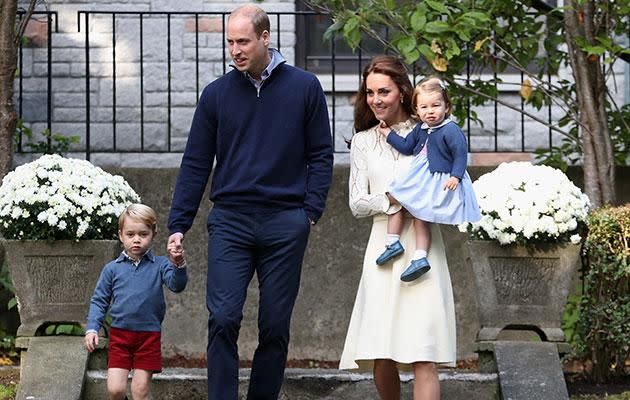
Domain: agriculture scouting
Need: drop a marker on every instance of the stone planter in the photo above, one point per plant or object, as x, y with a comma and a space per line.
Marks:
54, 280
523, 288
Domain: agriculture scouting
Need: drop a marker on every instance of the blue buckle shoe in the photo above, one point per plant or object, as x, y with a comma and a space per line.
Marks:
393, 250
415, 270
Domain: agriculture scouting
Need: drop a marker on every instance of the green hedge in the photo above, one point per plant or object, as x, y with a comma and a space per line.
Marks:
603, 328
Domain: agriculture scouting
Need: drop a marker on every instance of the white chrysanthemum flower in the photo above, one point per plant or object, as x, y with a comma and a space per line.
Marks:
521, 202
72, 196
576, 239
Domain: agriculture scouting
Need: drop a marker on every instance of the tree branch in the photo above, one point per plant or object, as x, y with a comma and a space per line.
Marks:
512, 107
558, 15
24, 21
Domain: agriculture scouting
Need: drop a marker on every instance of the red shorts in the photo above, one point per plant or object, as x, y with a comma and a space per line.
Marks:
134, 350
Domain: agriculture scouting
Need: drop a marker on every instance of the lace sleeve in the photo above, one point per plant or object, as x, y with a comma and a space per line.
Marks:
362, 202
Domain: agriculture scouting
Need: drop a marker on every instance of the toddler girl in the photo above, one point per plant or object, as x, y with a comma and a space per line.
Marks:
437, 187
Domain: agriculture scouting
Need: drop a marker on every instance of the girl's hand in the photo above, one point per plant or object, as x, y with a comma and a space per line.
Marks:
383, 129
451, 183
91, 341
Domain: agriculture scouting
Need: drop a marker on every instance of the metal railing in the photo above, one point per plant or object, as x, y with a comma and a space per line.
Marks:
89, 23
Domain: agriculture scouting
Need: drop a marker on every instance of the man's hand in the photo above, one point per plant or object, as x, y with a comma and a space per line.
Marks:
91, 341
175, 242
451, 183
175, 248
176, 256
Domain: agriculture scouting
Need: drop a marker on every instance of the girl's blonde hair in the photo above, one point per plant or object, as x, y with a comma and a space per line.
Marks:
139, 212
431, 84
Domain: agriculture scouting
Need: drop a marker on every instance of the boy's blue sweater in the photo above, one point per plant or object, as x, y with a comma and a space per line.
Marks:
133, 294
273, 146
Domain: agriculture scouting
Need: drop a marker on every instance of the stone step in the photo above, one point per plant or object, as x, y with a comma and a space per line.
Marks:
305, 384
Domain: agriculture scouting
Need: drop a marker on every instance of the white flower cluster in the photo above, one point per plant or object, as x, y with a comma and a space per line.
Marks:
61, 198
526, 203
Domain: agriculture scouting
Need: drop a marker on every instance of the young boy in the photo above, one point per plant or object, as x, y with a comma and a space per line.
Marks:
130, 287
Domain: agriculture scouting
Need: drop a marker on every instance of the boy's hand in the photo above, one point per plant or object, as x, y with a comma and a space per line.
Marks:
175, 248
176, 256
91, 341
383, 129
451, 183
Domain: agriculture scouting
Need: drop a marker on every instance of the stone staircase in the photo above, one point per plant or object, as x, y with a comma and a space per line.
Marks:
305, 384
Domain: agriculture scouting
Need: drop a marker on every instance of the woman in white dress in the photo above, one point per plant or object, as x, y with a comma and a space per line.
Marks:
394, 324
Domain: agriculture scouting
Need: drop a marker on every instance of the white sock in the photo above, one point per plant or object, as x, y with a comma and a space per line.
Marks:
391, 239
418, 254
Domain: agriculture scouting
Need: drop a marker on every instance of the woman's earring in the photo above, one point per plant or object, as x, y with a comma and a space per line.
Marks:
401, 100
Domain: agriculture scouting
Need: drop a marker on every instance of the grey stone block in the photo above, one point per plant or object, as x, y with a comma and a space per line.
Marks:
34, 107
519, 286
530, 371
53, 368
54, 280
56, 69
68, 99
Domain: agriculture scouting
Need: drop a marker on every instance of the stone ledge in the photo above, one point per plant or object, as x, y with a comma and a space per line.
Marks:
170, 374
306, 384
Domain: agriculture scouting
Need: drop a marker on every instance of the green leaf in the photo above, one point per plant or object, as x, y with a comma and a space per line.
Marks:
437, 27
352, 33
438, 6
598, 50
464, 35
418, 20
12, 303
412, 56
426, 51
406, 45
477, 15
333, 29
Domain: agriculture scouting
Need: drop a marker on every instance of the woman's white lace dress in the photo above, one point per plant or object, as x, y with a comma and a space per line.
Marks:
391, 319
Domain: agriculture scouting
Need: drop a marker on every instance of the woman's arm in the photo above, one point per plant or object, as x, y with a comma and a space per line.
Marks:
362, 202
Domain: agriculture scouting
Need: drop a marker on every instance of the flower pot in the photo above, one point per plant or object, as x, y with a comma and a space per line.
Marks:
54, 280
523, 288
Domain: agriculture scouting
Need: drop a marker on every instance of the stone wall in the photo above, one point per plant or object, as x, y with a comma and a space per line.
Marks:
330, 276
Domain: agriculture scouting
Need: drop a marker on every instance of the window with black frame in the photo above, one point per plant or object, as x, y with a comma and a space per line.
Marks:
314, 54
319, 56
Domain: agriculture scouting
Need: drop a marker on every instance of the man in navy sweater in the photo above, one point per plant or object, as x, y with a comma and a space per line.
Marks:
266, 125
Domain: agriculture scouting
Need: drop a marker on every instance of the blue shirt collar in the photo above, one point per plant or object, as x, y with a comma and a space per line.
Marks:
124, 257
276, 60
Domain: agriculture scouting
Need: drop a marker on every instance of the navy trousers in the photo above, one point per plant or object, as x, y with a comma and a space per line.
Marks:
241, 242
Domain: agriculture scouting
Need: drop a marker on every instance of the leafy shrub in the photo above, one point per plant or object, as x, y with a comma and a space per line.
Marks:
604, 322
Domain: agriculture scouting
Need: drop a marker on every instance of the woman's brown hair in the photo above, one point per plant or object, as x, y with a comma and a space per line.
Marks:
394, 68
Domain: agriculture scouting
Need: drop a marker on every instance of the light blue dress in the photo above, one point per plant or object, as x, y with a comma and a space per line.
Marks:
422, 193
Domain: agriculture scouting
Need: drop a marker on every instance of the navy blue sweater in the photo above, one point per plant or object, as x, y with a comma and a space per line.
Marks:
273, 147
447, 151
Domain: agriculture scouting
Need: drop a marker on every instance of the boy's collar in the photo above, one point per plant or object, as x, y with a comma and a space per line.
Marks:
124, 256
